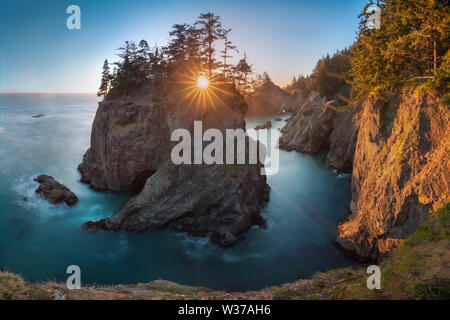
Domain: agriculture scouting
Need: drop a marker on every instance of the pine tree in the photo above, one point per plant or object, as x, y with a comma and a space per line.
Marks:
242, 71
411, 45
329, 74
210, 31
177, 48
228, 46
105, 81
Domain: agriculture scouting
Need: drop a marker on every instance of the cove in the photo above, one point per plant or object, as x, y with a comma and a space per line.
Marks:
38, 240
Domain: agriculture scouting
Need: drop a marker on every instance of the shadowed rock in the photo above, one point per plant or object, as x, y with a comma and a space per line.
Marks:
54, 191
270, 99
131, 150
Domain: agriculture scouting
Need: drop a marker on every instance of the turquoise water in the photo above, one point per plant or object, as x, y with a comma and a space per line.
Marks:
40, 240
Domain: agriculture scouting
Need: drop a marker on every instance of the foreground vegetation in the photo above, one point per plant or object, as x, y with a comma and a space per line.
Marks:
419, 269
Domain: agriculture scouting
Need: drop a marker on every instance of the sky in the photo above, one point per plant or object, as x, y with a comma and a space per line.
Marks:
285, 38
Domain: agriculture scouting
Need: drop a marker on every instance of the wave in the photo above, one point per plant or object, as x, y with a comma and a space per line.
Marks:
25, 187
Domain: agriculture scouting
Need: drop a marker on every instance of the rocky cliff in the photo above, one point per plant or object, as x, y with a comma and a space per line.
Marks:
397, 150
130, 151
401, 172
322, 125
270, 99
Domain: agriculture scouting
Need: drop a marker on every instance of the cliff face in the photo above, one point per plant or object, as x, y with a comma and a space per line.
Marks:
270, 99
309, 127
130, 150
343, 139
129, 142
317, 125
401, 173
398, 154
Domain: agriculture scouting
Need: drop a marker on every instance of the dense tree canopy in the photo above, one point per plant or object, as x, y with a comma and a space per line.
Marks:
191, 51
411, 45
328, 77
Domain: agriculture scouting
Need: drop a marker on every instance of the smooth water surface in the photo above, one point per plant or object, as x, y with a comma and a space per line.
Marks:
40, 240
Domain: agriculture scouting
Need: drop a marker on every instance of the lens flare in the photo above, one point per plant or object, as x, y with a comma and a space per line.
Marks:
202, 82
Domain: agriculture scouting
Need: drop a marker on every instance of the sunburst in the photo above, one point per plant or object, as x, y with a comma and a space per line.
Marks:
202, 82
201, 93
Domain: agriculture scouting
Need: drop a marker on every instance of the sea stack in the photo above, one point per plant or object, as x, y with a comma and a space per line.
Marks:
131, 151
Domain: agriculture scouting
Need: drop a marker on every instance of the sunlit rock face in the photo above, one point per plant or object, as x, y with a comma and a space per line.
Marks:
320, 125
401, 173
397, 152
131, 151
309, 128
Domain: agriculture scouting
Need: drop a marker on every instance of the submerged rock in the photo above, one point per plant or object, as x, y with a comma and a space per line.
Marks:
54, 191
131, 150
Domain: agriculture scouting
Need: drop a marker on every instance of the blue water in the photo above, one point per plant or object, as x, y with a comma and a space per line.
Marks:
40, 240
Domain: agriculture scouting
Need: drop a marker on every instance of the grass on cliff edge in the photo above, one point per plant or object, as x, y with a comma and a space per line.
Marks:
419, 269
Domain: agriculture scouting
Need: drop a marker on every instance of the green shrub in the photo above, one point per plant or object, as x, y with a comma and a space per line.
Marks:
439, 289
437, 229
445, 101
283, 294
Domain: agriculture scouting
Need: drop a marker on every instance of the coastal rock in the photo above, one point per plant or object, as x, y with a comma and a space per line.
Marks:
309, 128
270, 99
200, 200
401, 173
343, 139
278, 119
221, 201
54, 191
129, 142
265, 125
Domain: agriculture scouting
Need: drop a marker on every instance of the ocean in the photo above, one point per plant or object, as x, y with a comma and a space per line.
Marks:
39, 240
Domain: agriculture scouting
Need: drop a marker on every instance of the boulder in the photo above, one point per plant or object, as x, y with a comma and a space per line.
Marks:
54, 191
